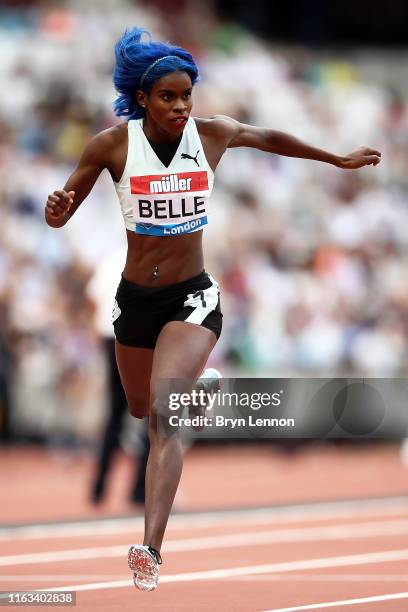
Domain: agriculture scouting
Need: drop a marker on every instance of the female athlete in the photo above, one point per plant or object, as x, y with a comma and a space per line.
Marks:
167, 315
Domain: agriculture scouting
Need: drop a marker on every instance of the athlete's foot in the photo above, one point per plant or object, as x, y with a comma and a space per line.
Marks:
210, 383
144, 562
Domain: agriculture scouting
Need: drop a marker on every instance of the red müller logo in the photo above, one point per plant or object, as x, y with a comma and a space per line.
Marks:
169, 183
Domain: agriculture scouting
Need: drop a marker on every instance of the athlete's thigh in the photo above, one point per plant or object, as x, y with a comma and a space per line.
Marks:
181, 352
135, 368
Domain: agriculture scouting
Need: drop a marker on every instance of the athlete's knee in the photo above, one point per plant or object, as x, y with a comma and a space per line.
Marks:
161, 425
138, 407
159, 406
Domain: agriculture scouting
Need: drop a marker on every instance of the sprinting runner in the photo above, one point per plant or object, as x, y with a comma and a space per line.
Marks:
167, 315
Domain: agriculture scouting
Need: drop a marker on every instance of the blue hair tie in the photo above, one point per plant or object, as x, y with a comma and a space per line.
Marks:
149, 68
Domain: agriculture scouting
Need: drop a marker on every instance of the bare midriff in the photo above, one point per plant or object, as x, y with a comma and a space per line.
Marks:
154, 261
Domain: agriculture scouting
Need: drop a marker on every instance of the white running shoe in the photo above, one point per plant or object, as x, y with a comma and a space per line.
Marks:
209, 382
144, 561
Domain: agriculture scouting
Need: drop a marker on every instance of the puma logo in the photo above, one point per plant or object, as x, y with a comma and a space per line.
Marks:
187, 156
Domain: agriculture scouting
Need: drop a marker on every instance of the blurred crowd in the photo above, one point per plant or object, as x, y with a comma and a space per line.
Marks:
312, 260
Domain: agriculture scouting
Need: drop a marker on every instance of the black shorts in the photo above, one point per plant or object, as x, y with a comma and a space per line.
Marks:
140, 313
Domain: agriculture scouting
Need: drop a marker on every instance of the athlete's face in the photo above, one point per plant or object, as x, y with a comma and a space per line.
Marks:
169, 102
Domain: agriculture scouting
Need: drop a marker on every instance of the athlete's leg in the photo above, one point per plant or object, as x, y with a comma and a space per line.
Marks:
138, 491
117, 407
181, 352
135, 367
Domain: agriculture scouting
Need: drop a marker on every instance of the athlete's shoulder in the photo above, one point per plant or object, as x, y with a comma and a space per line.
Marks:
218, 126
112, 136
102, 146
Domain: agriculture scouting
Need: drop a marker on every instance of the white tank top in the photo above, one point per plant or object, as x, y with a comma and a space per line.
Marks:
165, 201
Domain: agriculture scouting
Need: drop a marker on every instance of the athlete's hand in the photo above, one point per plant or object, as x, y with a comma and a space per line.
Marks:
57, 207
363, 156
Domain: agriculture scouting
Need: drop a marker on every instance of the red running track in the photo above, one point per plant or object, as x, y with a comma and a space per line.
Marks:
252, 561
332, 555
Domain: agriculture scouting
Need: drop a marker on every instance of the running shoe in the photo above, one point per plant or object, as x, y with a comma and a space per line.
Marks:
209, 382
144, 562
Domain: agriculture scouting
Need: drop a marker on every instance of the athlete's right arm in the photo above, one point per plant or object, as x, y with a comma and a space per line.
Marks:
62, 204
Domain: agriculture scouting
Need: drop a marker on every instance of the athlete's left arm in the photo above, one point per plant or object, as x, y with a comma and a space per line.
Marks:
281, 143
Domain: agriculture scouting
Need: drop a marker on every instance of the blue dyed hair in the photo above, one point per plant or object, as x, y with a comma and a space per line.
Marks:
134, 70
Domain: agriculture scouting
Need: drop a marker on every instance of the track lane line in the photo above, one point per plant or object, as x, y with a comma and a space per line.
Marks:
289, 566
261, 577
308, 534
325, 578
344, 602
310, 512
